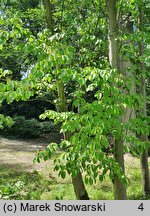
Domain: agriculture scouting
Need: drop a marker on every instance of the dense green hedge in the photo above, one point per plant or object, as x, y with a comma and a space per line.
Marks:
27, 128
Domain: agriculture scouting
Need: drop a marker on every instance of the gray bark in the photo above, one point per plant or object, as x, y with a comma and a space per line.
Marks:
119, 187
126, 27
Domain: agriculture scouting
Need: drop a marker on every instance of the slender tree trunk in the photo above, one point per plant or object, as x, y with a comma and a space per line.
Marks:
78, 184
119, 187
125, 26
79, 188
112, 33
145, 172
144, 156
48, 14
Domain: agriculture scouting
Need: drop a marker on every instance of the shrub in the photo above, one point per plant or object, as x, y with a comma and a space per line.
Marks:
28, 128
23, 128
47, 126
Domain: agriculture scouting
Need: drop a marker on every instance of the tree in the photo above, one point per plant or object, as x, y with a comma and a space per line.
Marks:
77, 181
48, 14
143, 112
119, 187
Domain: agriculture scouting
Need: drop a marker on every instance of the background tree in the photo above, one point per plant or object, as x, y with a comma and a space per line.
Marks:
143, 112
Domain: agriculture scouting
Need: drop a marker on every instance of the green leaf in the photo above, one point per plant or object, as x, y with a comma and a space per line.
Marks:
56, 168
101, 178
105, 141
74, 173
91, 181
63, 174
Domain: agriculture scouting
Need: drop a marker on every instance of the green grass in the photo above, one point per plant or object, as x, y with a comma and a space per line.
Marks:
15, 183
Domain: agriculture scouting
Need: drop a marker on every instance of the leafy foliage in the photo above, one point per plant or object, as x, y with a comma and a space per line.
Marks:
5, 121
10, 191
26, 128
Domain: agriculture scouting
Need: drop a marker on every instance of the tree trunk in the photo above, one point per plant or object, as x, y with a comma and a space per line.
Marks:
119, 187
79, 188
112, 33
144, 156
78, 184
125, 26
48, 14
145, 172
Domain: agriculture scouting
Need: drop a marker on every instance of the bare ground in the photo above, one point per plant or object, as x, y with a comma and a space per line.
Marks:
16, 157
19, 154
